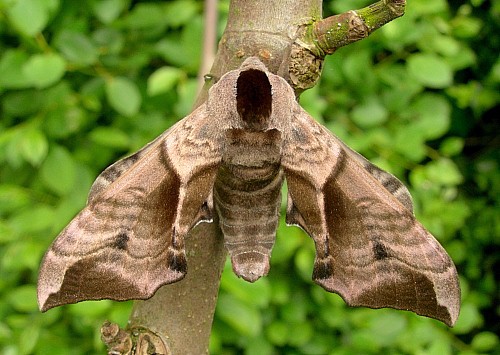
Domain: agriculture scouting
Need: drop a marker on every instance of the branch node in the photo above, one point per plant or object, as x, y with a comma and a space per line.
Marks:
133, 341
304, 68
326, 36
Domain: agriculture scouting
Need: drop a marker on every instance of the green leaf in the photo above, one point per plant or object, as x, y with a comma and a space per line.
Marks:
445, 45
430, 70
21, 256
466, 26
494, 75
22, 102
403, 32
108, 10
58, 171
28, 16
439, 346
296, 310
358, 70
163, 80
365, 342
63, 111
64, 121
467, 58
186, 50
321, 343
10, 144
280, 289
242, 317
109, 40
92, 92
13, 197
6, 232
452, 146
90, 309
144, 16
29, 337
387, 326
443, 171
431, 115
258, 346
43, 70
304, 261
370, 113
469, 318
277, 333
410, 142
464, 94
11, 69
180, 12
485, 342
23, 298
50, 344
34, 219
343, 6
285, 247
76, 47
424, 7
187, 90
457, 251
110, 137
313, 103
123, 95
300, 333
257, 293
34, 146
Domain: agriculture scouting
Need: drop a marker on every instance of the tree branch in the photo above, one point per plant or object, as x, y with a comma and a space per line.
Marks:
209, 40
326, 36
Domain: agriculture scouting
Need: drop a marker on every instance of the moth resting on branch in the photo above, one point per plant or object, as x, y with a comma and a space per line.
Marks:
230, 157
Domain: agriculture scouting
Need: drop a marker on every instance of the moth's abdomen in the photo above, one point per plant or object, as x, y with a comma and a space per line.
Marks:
247, 198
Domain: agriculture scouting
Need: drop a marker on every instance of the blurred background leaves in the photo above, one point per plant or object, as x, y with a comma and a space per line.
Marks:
84, 83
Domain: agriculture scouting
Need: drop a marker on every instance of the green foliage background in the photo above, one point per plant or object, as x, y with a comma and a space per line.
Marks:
84, 83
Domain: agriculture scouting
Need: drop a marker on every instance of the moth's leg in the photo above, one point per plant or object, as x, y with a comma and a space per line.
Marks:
323, 262
312, 222
194, 206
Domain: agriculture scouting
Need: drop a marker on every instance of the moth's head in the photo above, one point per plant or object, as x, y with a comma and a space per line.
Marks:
251, 98
254, 98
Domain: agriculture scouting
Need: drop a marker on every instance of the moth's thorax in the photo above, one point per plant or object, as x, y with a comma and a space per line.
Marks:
247, 198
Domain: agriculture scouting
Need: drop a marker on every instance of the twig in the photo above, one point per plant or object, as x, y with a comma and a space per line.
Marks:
209, 41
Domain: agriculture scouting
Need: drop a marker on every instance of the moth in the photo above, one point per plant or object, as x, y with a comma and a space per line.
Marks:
230, 158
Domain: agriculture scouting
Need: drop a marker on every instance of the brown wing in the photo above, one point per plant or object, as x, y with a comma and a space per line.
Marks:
389, 181
115, 170
129, 239
369, 247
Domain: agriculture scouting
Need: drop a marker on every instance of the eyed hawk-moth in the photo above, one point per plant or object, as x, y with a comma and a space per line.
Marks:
230, 157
